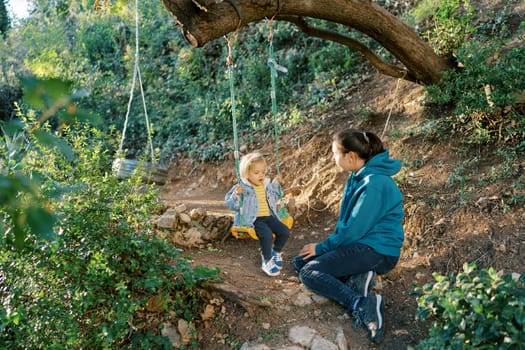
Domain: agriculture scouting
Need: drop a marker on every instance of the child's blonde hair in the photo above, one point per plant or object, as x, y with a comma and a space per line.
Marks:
247, 161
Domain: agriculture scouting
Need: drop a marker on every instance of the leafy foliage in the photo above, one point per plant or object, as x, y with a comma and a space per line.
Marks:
186, 89
475, 309
452, 24
483, 92
90, 285
21, 195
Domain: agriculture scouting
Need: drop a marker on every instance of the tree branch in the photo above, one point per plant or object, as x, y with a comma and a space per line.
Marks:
342, 39
202, 21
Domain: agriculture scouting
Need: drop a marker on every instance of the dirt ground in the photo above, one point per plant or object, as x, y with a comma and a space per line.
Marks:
453, 215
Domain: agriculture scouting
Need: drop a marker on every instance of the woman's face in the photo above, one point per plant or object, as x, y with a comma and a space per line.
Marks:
257, 173
345, 161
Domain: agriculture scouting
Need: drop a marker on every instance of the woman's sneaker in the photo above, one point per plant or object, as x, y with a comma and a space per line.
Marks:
362, 283
270, 268
277, 257
371, 315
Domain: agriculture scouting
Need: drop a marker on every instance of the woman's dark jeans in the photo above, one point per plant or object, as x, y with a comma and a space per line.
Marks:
326, 274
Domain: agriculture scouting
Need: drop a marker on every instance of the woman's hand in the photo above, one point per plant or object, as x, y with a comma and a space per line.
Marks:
308, 251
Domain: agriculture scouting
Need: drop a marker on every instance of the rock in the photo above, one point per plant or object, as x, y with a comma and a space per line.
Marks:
168, 330
185, 218
181, 208
319, 299
185, 330
302, 299
197, 214
320, 343
340, 339
168, 220
192, 237
207, 221
302, 335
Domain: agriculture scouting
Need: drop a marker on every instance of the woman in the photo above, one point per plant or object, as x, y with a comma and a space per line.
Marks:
368, 235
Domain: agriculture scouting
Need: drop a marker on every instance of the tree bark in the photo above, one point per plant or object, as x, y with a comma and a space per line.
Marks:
202, 21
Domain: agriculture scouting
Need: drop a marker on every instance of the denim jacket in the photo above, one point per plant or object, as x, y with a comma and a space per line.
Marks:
246, 212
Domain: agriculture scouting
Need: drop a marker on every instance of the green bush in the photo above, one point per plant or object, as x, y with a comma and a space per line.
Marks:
475, 309
88, 287
486, 117
452, 25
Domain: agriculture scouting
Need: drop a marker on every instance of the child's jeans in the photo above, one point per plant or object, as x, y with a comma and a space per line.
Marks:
265, 227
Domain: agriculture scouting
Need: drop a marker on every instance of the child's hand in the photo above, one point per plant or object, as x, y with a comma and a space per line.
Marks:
277, 179
238, 189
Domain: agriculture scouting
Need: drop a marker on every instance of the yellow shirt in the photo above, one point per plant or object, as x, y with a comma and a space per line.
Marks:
264, 210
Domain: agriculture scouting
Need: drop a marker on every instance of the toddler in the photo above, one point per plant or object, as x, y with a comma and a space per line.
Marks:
254, 200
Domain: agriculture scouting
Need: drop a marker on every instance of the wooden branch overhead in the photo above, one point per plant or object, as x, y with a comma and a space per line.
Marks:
202, 21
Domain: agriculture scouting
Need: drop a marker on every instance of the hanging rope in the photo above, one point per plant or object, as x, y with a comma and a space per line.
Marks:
242, 230
136, 73
231, 78
392, 106
274, 67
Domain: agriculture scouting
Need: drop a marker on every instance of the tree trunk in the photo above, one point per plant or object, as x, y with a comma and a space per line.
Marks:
202, 21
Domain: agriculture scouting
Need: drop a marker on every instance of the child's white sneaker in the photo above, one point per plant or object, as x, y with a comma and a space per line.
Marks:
277, 258
270, 268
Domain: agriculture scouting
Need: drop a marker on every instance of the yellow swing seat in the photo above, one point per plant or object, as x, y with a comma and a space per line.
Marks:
285, 217
243, 232
288, 221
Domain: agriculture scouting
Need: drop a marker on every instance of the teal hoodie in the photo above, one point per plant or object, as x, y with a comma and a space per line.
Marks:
371, 209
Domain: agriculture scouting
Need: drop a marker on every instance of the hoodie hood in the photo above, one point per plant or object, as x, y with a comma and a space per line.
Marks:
380, 164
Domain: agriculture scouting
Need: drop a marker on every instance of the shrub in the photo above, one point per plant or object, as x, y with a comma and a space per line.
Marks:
484, 117
475, 309
90, 286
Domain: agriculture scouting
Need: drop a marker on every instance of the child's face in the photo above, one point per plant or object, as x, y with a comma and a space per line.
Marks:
257, 173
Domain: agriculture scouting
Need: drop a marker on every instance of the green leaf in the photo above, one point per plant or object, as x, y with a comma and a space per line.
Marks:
50, 141
42, 93
41, 222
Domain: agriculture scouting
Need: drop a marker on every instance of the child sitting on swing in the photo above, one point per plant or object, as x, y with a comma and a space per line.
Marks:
257, 198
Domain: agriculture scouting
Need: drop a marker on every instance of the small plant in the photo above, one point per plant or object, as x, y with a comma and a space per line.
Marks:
475, 309
368, 113
452, 25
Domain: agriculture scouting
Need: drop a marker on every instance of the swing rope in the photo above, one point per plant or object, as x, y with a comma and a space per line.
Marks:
274, 67
136, 73
273, 74
231, 78
242, 231
392, 106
